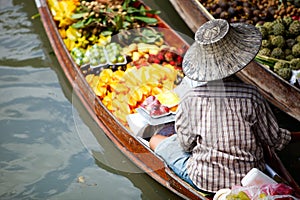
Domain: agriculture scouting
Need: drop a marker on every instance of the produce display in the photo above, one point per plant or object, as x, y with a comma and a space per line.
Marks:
123, 91
279, 23
280, 50
253, 11
119, 49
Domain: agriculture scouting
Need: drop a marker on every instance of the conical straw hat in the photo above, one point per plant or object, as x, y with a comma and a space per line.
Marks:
220, 50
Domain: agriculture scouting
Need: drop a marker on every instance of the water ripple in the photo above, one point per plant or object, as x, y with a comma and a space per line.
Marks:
18, 41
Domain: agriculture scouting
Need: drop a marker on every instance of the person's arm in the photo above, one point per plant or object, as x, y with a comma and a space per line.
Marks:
185, 135
268, 129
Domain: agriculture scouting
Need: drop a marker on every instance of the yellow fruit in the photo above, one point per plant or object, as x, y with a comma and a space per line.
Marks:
100, 91
168, 98
89, 78
136, 56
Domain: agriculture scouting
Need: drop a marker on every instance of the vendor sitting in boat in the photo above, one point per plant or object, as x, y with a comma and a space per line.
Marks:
222, 126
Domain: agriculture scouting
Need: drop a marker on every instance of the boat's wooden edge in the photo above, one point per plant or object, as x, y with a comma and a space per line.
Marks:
134, 149
275, 162
176, 182
189, 11
276, 90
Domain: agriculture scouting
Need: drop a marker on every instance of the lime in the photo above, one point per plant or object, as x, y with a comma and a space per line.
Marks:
113, 59
94, 62
102, 60
78, 61
121, 59
85, 59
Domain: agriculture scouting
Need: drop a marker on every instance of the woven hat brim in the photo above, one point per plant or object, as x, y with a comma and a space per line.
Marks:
225, 57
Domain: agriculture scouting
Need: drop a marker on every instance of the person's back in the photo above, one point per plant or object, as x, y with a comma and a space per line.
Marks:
221, 127
228, 123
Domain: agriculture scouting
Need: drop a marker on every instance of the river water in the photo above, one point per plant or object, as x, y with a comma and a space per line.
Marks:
43, 151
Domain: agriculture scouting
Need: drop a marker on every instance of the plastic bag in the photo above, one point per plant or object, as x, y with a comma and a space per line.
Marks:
278, 191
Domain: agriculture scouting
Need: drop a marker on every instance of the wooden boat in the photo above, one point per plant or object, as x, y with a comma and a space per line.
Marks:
277, 90
132, 146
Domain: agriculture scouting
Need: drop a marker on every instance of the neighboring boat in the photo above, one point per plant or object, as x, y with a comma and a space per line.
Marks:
278, 91
132, 146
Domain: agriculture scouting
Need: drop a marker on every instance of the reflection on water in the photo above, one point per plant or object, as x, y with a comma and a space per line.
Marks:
41, 153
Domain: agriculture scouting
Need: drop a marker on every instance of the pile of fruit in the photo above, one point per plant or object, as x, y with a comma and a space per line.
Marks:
119, 41
253, 11
98, 56
123, 91
280, 49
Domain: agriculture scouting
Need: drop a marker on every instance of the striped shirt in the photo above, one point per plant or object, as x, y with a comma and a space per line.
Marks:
224, 126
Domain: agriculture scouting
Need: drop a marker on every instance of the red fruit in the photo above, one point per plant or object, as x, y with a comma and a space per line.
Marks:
295, 18
179, 59
164, 109
157, 61
172, 62
136, 4
151, 58
155, 112
155, 102
160, 56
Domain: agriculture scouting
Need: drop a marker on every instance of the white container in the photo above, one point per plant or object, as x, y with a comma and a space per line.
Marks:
256, 177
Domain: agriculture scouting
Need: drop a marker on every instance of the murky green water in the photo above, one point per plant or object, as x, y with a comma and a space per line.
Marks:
50, 148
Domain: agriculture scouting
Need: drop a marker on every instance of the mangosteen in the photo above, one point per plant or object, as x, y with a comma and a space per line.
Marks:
218, 11
214, 6
255, 19
231, 11
256, 12
224, 15
247, 12
246, 4
223, 4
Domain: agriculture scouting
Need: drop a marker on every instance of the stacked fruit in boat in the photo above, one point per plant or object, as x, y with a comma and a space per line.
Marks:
279, 24
126, 58
280, 50
252, 11
122, 91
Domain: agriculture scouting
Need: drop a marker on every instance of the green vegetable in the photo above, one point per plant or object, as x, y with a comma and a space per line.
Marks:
277, 53
278, 28
285, 73
295, 64
265, 52
294, 28
280, 65
278, 41
296, 50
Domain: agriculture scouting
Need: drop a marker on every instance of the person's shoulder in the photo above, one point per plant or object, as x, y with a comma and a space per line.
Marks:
246, 90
